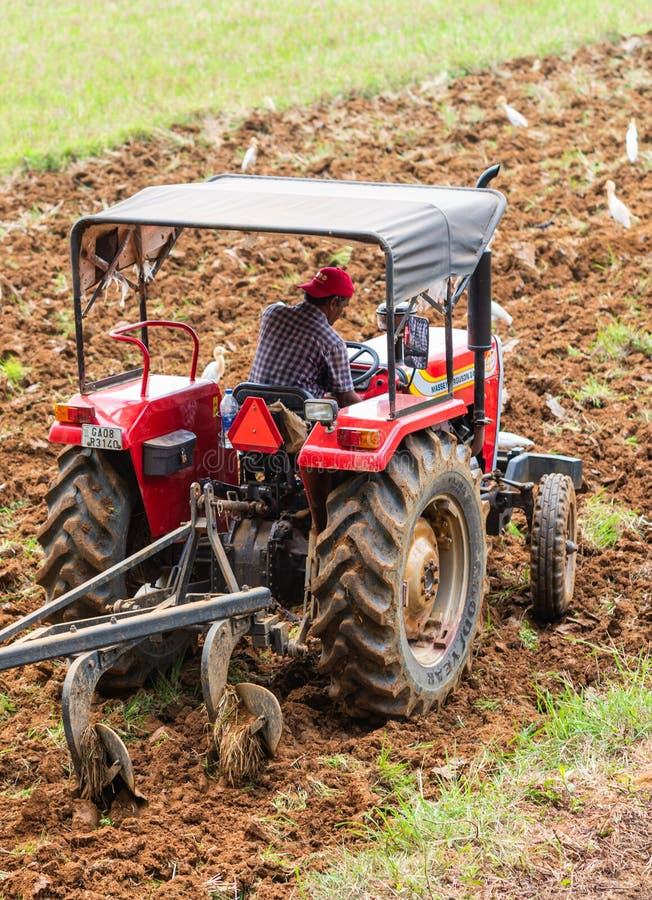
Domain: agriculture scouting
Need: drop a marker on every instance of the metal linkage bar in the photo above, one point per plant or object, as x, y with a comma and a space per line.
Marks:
48, 609
115, 630
214, 538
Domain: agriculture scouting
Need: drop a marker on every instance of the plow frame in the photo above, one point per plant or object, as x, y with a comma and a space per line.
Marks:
94, 646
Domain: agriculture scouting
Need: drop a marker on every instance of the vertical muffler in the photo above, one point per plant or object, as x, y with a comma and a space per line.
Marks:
479, 340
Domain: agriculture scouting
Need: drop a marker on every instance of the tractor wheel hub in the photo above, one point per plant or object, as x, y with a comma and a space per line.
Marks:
422, 578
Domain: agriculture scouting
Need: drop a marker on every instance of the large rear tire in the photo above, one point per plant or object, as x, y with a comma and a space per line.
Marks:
86, 530
553, 549
401, 579
93, 523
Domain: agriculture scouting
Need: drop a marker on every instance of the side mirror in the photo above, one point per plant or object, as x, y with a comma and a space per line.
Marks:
416, 342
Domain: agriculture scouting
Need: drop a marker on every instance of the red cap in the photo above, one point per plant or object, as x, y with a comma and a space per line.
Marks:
327, 281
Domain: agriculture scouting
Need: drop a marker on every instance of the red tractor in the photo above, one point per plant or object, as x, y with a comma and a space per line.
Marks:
389, 562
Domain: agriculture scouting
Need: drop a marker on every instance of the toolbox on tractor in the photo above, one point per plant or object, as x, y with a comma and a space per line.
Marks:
373, 529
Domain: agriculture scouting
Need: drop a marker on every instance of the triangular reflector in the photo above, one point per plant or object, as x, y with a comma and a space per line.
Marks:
254, 428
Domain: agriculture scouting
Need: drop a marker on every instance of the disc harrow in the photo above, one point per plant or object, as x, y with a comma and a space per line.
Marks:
96, 646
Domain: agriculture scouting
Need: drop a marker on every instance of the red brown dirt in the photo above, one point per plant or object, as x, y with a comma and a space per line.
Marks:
562, 268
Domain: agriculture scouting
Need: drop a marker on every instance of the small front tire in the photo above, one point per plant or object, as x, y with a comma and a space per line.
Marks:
553, 549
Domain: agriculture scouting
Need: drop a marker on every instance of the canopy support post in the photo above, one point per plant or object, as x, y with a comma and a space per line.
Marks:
391, 338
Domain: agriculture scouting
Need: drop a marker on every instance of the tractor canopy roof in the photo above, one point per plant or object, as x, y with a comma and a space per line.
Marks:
427, 233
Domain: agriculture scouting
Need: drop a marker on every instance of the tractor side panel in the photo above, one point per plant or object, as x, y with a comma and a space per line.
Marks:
166, 497
431, 382
171, 405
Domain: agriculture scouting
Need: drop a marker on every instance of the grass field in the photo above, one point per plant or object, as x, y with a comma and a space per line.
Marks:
482, 827
77, 79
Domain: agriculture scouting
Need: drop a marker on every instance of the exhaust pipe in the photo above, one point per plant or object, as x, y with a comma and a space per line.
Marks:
479, 340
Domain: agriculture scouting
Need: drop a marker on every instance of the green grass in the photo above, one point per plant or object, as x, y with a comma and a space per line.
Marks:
292, 799
528, 636
393, 776
487, 821
341, 257
54, 735
595, 727
138, 68
617, 339
513, 530
13, 370
602, 521
8, 515
153, 701
339, 761
594, 393
7, 706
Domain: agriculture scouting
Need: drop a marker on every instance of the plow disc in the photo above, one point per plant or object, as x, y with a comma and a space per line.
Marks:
97, 752
246, 731
247, 720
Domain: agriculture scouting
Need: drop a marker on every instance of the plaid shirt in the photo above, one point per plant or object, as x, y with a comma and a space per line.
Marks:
297, 346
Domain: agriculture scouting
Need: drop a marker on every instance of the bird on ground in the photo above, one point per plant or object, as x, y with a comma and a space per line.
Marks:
631, 142
249, 159
215, 369
516, 118
617, 208
498, 314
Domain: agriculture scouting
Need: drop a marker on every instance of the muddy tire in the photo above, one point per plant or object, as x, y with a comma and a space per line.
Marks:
91, 526
401, 579
86, 530
553, 548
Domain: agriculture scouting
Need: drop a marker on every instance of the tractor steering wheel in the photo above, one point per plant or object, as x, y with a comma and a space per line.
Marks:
367, 374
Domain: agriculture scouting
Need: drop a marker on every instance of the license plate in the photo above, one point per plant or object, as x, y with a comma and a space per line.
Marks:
101, 437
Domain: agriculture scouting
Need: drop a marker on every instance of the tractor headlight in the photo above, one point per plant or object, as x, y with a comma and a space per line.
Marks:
324, 411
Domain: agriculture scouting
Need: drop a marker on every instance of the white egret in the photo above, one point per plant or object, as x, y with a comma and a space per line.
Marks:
498, 314
516, 118
215, 369
249, 159
617, 208
631, 142
507, 440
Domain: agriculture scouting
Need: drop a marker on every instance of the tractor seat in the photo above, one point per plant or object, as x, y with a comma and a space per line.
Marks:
291, 397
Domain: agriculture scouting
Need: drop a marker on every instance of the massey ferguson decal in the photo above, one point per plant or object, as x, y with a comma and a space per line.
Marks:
427, 386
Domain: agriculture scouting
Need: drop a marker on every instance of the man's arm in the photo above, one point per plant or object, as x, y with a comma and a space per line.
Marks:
339, 369
346, 398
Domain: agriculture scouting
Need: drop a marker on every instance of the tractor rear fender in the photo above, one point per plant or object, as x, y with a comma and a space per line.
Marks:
364, 439
171, 436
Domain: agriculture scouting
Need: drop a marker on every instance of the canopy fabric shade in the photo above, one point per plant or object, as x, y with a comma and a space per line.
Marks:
427, 233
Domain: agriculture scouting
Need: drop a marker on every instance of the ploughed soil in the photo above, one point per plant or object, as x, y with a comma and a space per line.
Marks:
563, 269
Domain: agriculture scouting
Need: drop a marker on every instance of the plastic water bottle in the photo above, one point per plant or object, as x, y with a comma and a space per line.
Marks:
228, 411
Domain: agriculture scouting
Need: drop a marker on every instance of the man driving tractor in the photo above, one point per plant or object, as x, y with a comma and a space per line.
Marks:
297, 345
